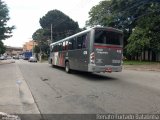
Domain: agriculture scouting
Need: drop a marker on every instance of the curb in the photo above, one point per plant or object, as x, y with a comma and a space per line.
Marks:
2, 63
25, 93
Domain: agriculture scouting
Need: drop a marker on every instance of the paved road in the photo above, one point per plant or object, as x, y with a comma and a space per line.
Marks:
58, 92
55, 91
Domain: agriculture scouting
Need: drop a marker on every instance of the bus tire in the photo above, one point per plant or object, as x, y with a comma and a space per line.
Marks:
67, 67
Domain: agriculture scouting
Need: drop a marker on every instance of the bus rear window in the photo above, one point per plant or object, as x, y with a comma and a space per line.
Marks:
108, 37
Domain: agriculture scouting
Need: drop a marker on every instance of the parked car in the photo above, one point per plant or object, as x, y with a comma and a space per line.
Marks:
2, 58
32, 59
21, 57
16, 57
9, 57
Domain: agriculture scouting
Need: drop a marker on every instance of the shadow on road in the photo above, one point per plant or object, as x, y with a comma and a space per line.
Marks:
88, 75
93, 76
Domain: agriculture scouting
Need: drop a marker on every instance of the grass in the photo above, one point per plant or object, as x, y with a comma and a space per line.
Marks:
43, 60
139, 63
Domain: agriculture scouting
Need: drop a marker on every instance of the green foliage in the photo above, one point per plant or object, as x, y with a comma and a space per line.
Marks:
154, 32
146, 35
44, 48
36, 49
5, 31
122, 14
62, 25
59, 20
2, 48
101, 14
139, 19
138, 41
40, 35
41, 38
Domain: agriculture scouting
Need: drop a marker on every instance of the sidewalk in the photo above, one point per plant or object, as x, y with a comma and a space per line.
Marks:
15, 96
152, 67
6, 61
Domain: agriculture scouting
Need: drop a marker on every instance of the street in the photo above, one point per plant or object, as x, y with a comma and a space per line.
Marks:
53, 91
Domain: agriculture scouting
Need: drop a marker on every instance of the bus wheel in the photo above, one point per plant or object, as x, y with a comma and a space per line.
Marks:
67, 68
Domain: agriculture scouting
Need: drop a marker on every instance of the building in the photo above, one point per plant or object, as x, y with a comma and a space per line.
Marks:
28, 46
13, 51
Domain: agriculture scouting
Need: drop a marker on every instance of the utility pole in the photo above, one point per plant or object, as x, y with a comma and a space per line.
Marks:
33, 48
40, 52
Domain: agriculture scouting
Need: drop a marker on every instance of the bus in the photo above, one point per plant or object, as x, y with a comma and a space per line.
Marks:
27, 55
98, 49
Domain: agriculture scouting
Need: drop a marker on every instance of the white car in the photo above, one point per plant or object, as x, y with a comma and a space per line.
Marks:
2, 58
32, 59
9, 57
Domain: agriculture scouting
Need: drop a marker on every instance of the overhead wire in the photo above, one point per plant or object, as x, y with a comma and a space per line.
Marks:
135, 6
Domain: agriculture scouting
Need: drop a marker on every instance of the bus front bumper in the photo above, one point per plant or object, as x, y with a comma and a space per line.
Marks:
108, 68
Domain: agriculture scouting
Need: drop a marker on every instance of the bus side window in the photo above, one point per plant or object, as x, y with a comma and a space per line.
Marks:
79, 42
55, 48
66, 45
82, 41
85, 40
72, 44
69, 45
60, 46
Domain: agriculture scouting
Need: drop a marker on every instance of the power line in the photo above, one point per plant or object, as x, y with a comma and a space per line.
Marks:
135, 5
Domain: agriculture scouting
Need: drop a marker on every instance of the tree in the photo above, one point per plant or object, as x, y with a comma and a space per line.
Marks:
2, 48
5, 30
62, 25
139, 41
36, 49
146, 35
139, 19
101, 14
41, 38
121, 14
40, 35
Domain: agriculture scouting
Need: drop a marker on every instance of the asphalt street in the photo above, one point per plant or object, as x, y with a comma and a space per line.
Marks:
56, 92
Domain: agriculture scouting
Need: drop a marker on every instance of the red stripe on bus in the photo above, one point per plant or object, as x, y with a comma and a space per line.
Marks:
114, 47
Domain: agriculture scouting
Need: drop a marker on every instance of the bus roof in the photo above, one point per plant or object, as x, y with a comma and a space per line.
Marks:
85, 31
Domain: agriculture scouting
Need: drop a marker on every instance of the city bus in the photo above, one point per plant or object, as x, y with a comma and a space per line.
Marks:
98, 49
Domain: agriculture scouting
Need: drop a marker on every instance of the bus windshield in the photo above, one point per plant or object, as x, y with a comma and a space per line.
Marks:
108, 37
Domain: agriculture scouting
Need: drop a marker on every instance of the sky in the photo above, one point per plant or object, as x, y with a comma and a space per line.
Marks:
25, 15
